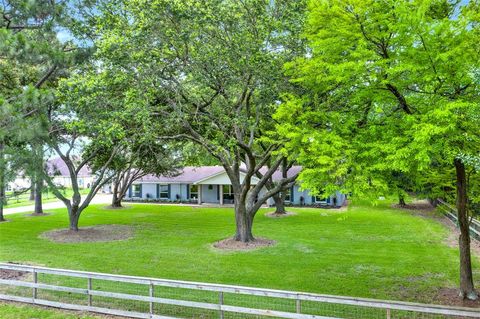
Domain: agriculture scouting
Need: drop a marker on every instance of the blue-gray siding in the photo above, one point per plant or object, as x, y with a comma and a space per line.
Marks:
211, 194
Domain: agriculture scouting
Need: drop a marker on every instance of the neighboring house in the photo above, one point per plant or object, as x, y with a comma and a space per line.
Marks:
61, 177
18, 184
210, 184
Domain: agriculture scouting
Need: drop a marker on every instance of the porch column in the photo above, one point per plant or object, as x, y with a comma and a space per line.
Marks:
199, 194
220, 191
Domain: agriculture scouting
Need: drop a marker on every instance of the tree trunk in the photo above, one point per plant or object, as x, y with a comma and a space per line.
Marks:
32, 189
2, 196
74, 216
116, 200
119, 191
467, 290
38, 194
2, 183
279, 200
401, 200
243, 222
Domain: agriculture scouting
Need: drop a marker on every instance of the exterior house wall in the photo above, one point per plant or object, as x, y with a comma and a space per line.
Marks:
18, 184
296, 199
149, 191
209, 188
176, 190
185, 191
308, 198
209, 193
179, 189
107, 189
63, 181
301, 196
83, 182
340, 198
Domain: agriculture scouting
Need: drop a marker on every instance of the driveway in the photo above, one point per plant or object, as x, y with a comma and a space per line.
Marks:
98, 199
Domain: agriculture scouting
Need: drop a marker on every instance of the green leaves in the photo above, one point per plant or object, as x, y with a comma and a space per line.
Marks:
390, 84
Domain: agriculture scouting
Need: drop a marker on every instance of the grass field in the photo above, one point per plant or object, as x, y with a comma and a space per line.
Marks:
366, 251
47, 197
15, 311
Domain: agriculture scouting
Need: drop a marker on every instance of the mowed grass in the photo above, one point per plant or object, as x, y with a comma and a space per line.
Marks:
16, 311
367, 251
47, 197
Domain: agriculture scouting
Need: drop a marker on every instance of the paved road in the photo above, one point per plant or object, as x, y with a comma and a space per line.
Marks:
98, 199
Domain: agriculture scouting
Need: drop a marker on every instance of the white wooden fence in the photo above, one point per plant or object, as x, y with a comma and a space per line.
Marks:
140, 297
451, 213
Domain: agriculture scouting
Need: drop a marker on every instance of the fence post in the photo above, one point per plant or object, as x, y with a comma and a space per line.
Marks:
35, 280
298, 304
89, 287
388, 313
220, 302
151, 292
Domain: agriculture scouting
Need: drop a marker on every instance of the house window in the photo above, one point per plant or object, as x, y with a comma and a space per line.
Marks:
320, 199
193, 191
163, 192
136, 190
288, 195
228, 192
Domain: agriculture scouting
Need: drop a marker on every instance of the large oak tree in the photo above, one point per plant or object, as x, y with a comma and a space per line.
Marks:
212, 72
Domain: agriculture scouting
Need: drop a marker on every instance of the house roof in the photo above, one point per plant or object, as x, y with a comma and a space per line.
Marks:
57, 167
278, 174
187, 175
194, 174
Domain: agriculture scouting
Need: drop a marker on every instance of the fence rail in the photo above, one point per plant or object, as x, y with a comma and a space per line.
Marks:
451, 213
140, 297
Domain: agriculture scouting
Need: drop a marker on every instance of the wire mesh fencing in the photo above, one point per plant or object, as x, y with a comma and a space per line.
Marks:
451, 213
140, 297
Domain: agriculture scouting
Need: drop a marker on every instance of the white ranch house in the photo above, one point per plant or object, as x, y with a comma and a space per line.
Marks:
211, 185
58, 170
61, 176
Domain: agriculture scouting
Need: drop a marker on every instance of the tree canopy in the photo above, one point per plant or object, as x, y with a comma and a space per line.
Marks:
392, 91
211, 73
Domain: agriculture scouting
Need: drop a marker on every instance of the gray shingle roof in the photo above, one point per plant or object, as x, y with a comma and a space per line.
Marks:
187, 175
193, 174
57, 167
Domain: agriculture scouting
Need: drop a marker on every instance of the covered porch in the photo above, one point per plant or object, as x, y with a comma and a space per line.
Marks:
217, 189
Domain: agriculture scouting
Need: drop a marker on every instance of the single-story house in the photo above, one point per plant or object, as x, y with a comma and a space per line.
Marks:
59, 172
210, 184
18, 184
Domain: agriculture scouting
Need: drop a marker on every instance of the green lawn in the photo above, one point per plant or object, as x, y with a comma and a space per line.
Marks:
366, 251
24, 199
16, 311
